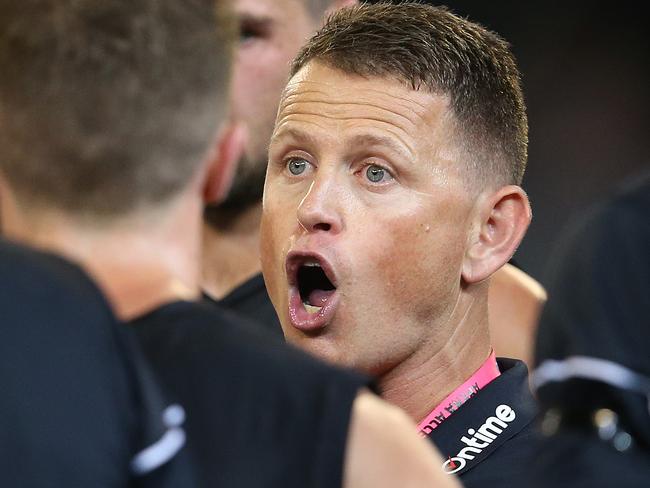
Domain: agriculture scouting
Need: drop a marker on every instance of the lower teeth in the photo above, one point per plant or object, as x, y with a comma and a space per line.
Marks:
311, 308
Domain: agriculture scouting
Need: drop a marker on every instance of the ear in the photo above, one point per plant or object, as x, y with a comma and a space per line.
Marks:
222, 162
501, 222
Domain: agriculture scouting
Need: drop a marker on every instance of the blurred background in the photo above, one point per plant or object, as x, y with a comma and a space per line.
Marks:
586, 78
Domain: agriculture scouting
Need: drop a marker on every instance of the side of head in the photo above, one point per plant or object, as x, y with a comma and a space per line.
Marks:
108, 107
271, 32
398, 149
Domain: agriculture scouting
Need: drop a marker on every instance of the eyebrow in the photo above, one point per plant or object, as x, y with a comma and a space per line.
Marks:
374, 140
356, 141
245, 16
261, 21
297, 135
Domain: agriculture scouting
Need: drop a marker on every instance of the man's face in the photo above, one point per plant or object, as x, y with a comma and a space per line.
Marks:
366, 219
271, 33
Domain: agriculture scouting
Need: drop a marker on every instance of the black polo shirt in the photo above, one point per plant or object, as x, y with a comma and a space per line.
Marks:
489, 441
78, 408
259, 412
251, 301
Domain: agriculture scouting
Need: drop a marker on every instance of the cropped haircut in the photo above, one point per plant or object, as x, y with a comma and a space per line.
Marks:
428, 47
108, 106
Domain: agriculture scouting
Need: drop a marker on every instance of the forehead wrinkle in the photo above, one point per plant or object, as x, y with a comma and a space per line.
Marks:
342, 108
293, 86
398, 130
369, 139
294, 118
282, 131
390, 128
294, 90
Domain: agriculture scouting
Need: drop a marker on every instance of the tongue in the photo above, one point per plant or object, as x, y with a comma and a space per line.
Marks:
317, 298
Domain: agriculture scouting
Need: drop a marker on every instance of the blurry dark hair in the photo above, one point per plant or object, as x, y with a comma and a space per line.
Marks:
108, 105
429, 47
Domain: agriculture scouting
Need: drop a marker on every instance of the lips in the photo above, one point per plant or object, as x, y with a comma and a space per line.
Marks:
313, 298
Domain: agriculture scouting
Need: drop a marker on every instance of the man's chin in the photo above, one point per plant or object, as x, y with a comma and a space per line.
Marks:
319, 346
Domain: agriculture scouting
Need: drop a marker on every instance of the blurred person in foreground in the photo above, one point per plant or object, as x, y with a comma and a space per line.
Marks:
593, 373
271, 34
79, 407
112, 140
392, 195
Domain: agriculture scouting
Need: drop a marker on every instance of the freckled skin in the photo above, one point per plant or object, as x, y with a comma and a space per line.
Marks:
396, 246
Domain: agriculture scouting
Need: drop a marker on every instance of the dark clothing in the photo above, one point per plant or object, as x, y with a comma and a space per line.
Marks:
600, 275
599, 303
576, 458
76, 403
259, 412
506, 457
601, 299
251, 301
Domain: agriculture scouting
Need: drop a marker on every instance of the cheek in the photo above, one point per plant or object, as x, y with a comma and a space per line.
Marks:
415, 265
275, 230
268, 250
253, 60
258, 80
265, 65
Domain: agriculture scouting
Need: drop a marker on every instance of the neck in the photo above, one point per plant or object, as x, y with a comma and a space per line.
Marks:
231, 250
139, 263
420, 383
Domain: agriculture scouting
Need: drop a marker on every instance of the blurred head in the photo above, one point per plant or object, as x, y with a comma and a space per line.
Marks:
599, 301
391, 191
270, 34
108, 107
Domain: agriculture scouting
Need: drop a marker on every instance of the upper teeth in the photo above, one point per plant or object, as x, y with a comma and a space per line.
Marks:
311, 264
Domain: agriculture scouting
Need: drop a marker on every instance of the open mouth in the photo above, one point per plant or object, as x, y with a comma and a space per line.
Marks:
312, 291
314, 286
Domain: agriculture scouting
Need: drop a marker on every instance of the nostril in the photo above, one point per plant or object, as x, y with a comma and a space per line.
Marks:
322, 226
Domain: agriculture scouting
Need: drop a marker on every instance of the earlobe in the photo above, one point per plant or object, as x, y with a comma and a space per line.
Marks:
502, 221
222, 162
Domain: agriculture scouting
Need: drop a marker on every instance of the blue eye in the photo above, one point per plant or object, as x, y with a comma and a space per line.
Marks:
246, 33
251, 29
297, 166
375, 174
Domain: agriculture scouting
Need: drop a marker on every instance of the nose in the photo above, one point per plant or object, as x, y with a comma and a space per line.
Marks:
319, 210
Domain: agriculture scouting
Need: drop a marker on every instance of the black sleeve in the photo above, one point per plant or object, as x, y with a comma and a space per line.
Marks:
70, 405
260, 413
333, 429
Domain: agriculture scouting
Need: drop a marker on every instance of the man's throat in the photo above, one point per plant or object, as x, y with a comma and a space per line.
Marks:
452, 402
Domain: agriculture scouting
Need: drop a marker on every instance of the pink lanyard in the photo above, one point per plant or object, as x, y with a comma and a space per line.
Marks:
486, 373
